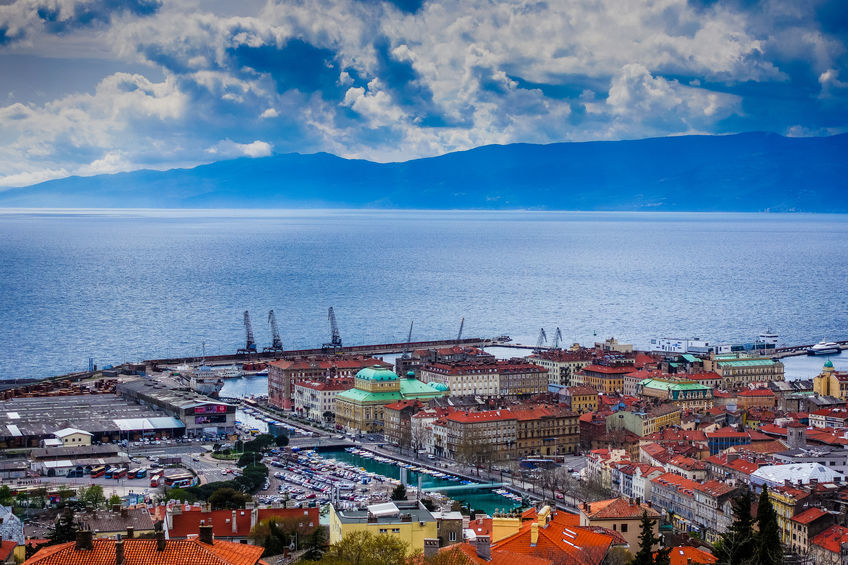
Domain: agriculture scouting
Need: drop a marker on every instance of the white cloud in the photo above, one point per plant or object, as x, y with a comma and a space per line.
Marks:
269, 113
32, 177
229, 149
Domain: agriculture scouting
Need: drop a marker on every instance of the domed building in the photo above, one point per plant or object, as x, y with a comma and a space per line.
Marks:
360, 409
831, 382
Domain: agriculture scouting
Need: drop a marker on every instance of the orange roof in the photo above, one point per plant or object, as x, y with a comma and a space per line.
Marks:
188, 523
617, 508
832, 538
714, 488
755, 392
809, 515
143, 552
609, 370
6, 549
565, 543
681, 555
499, 556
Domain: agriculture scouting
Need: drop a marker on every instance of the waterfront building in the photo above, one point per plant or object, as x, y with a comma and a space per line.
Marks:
562, 365
137, 551
409, 521
316, 400
612, 345
579, 399
283, 374
513, 378
739, 370
620, 515
683, 393
687, 346
645, 421
546, 431
201, 415
360, 408
831, 382
397, 422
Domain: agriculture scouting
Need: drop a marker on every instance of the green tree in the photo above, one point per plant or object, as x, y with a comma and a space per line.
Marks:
663, 556
647, 541
364, 548
64, 528
769, 550
249, 458
91, 496
736, 545
6, 498
281, 440
315, 544
228, 499
181, 494
399, 492
115, 500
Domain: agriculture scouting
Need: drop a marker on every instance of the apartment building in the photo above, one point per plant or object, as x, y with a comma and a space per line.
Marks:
643, 422
316, 400
285, 373
562, 365
739, 370
512, 378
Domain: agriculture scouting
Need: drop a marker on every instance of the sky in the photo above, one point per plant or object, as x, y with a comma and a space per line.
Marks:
102, 86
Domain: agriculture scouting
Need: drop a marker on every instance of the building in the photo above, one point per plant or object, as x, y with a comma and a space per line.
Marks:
409, 521
562, 365
755, 398
644, 422
829, 418
831, 382
201, 415
316, 400
739, 370
117, 520
798, 473
513, 378
285, 373
675, 495
136, 551
183, 521
579, 399
620, 515
361, 407
714, 508
397, 422
688, 555
804, 527
608, 379
71, 437
829, 547
546, 431
685, 394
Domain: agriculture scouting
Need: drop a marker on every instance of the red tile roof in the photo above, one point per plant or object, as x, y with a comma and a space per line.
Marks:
6, 549
499, 556
809, 515
680, 483
832, 538
682, 554
755, 392
188, 523
714, 488
773, 429
143, 552
617, 508
559, 540
603, 369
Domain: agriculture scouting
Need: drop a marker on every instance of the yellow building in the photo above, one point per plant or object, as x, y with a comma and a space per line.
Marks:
831, 382
408, 520
72, 437
787, 501
579, 399
604, 378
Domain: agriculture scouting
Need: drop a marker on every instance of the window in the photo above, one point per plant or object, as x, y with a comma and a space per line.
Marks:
383, 530
624, 528
452, 536
395, 530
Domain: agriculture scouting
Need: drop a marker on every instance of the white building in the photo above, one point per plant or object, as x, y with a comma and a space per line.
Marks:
314, 399
685, 345
777, 475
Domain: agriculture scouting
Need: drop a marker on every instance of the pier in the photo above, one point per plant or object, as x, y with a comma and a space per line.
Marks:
471, 486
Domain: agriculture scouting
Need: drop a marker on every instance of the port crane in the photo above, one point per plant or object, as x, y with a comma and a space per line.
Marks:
277, 342
540, 343
335, 337
557, 338
250, 346
459, 335
408, 341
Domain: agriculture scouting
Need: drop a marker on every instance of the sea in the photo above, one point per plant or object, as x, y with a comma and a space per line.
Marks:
127, 285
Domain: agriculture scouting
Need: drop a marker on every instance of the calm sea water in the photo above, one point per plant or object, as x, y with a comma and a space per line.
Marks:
127, 285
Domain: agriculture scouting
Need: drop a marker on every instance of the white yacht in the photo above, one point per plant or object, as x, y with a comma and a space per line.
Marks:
824, 348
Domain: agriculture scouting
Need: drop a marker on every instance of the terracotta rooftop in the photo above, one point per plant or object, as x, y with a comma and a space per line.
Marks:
809, 515
714, 488
499, 556
762, 392
188, 522
832, 538
144, 552
617, 508
685, 554
559, 540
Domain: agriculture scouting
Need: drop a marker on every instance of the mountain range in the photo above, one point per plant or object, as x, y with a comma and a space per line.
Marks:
747, 172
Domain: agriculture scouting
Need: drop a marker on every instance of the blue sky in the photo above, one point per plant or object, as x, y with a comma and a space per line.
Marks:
103, 86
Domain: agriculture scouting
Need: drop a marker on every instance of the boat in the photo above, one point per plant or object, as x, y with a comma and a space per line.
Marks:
210, 386
824, 348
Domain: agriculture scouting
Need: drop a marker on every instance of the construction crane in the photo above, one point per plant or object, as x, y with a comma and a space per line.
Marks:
557, 338
459, 335
540, 343
408, 341
335, 338
277, 342
250, 346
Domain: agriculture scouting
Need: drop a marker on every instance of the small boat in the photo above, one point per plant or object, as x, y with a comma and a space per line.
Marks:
824, 348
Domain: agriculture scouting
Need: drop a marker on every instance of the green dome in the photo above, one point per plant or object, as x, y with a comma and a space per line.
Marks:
828, 364
441, 387
376, 373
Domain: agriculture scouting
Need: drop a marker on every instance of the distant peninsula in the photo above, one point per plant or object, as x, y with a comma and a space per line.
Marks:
749, 172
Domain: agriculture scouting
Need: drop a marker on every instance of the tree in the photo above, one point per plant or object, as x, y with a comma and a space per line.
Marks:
618, 556
364, 548
64, 529
6, 498
182, 495
647, 540
663, 556
315, 544
399, 492
249, 458
91, 496
769, 550
736, 546
228, 499
281, 440
115, 500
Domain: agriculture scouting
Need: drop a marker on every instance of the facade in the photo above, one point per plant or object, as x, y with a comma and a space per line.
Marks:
805, 526
579, 399
675, 495
831, 382
619, 515
739, 370
285, 373
360, 408
755, 398
513, 378
72, 437
316, 400
604, 378
397, 422
714, 508
562, 365
830, 547
646, 422
409, 521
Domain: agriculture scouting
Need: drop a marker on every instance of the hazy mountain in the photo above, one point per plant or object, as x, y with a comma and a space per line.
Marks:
745, 172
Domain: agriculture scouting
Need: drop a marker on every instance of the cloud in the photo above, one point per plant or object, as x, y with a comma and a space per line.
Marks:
229, 149
269, 113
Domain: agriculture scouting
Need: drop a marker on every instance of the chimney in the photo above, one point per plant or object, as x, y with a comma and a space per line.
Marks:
484, 546
235, 528
205, 535
431, 547
119, 552
130, 532
124, 511
116, 508
160, 540
534, 534
84, 540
